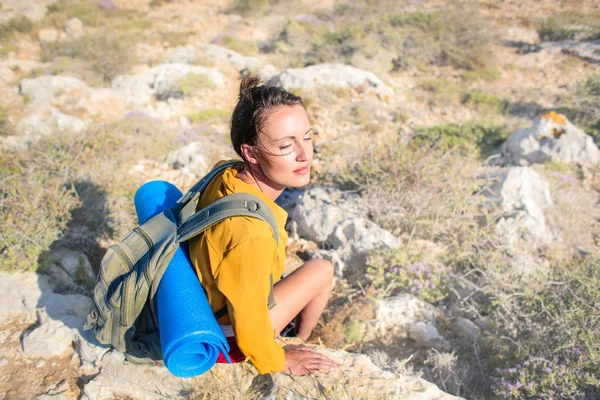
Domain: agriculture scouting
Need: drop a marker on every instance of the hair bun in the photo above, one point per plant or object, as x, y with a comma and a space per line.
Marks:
246, 87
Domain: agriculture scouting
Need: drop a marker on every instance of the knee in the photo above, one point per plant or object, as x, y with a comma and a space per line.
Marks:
326, 270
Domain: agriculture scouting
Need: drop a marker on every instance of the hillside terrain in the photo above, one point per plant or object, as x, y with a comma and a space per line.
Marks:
455, 185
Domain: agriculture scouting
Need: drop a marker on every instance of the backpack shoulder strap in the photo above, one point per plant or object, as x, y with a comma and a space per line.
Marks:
233, 205
186, 205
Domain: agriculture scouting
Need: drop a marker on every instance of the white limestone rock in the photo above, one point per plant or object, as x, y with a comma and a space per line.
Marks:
523, 195
52, 338
74, 28
167, 78
69, 268
20, 295
427, 335
32, 9
467, 328
47, 121
119, 380
52, 90
396, 315
339, 219
331, 75
552, 137
48, 35
197, 158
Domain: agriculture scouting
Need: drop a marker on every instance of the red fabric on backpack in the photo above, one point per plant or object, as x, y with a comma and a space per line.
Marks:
235, 353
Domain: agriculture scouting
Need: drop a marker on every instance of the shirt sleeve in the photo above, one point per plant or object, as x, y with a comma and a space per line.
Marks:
244, 278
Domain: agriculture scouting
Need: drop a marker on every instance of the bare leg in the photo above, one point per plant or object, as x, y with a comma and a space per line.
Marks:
303, 293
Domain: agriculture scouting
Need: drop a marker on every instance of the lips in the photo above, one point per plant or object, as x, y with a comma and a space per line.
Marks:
302, 170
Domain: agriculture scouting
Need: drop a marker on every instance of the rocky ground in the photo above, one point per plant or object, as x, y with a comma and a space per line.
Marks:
130, 91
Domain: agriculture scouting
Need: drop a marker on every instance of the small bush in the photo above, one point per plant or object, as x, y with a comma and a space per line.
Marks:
570, 25
458, 36
354, 331
16, 24
545, 341
393, 271
207, 114
462, 138
4, 123
484, 74
191, 83
484, 102
174, 39
251, 7
108, 56
248, 48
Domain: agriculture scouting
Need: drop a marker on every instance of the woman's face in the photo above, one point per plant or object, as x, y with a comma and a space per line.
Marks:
285, 149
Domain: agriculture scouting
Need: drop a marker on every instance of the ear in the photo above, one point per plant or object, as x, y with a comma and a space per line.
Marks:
249, 153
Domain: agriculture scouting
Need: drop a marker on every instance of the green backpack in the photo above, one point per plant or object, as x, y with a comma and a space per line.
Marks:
124, 311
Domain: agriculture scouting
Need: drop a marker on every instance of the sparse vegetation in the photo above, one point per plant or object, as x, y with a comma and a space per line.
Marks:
207, 114
398, 38
108, 56
53, 191
462, 138
192, 83
570, 25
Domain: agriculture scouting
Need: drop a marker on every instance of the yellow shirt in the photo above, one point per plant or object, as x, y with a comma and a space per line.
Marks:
237, 261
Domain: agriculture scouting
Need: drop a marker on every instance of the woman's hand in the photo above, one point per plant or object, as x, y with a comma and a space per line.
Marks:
302, 360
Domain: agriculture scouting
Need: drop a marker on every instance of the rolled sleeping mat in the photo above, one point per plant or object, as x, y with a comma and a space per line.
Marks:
190, 337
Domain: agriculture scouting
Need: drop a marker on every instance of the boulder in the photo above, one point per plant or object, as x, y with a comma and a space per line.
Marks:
70, 270
48, 35
32, 9
118, 379
395, 316
427, 335
586, 50
50, 90
193, 158
48, 121
522, 195
51, 339
20, 295
74, 28
167, 78
331, 75
551, 138
338, 218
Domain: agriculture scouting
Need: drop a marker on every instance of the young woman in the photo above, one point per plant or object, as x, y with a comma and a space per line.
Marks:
239, 262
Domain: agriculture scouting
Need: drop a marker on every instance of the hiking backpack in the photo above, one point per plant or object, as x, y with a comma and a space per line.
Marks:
123, 310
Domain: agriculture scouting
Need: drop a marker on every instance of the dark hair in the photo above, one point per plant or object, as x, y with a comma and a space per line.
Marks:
254, 105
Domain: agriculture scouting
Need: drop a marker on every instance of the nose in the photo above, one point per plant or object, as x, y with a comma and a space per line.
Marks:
305, 149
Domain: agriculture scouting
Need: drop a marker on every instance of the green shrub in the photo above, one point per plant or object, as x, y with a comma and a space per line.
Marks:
484, 102
462, 138
108, 56
550, 348
245, 47
207, 114
4, 122
458, 36
393, 271
484, 74
174, 39
552, 30
251, 7
570, 25
36, 201
16, 24
192, 83
354, 331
